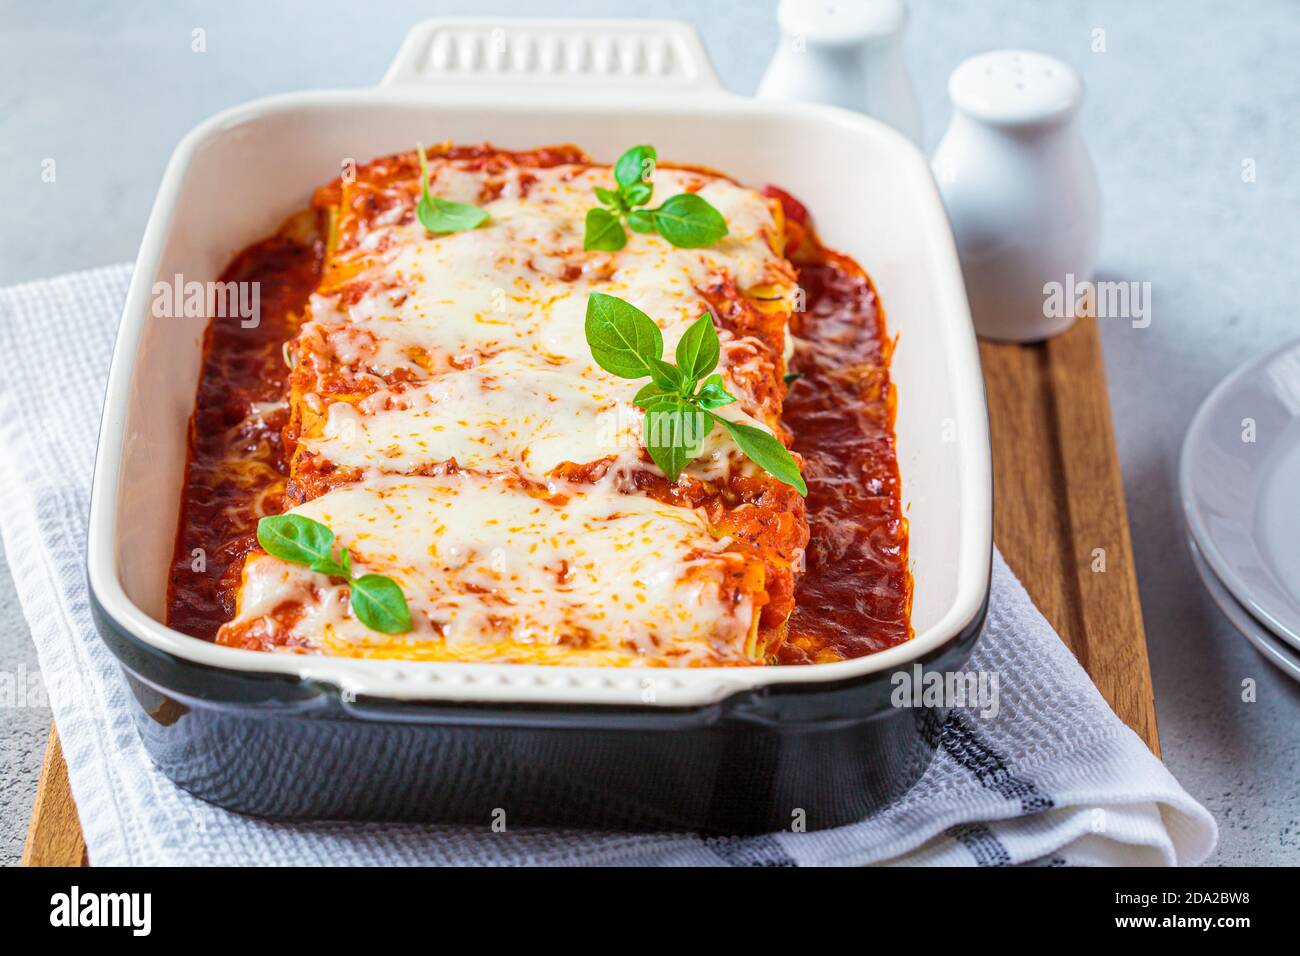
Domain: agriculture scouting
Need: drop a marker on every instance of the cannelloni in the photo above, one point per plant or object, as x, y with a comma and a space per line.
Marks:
448, 422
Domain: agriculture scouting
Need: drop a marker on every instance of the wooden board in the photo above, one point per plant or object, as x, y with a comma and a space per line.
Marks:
54, 834
1059, 516
1059, 519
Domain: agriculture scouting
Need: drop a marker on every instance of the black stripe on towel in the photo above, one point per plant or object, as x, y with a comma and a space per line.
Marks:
982, 843
761, 850
961, 741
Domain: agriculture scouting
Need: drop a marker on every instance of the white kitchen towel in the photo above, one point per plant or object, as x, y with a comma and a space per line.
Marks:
1052, 778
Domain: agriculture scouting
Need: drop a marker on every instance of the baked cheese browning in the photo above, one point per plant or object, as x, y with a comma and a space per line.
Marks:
459, 359
495, 570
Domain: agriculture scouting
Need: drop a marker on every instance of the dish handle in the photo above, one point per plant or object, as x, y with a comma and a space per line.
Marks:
590, 55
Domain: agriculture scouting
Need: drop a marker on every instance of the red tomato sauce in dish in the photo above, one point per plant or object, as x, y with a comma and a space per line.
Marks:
854, 596
236, 466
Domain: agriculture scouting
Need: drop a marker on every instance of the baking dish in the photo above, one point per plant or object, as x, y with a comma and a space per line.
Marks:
725, 749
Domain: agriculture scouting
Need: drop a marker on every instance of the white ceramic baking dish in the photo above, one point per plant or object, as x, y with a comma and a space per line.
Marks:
518, 84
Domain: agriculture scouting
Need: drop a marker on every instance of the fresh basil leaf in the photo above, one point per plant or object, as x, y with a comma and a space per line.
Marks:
640, 220
377, 601
637, 165
667, 375
604, 231
791, 378
335, 569
295, 538
689, 222
624, 340
673, 432
649, 392
424, 169
698, 350
444, 216
611, 197
379, 604
764, 450
638, 194
713, 393
328, 566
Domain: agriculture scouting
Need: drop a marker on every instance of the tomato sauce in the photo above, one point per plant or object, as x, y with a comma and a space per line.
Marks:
236, 468
855, 595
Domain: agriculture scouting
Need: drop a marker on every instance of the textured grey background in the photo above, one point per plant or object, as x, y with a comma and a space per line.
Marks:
1183, 94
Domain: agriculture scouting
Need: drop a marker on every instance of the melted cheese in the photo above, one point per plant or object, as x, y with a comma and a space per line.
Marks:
491, 322
504, 414
492, 572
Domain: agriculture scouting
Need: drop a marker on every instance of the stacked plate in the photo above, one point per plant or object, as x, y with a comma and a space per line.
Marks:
1240, 482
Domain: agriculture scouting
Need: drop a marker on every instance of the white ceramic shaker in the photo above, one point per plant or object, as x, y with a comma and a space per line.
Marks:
845, 53
1021, 192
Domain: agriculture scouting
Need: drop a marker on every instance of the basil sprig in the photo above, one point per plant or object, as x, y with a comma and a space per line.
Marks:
377, 601
678, 400
442, 215
685, 220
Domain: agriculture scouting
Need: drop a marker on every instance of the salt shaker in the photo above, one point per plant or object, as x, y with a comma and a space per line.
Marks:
846, 53
1021, 192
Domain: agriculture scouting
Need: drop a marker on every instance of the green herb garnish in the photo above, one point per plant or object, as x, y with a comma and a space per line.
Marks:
678, 400
377, 601
443, 215
685, 220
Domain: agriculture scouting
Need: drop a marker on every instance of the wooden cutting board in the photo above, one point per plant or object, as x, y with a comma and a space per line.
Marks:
1058, 509
1059, 520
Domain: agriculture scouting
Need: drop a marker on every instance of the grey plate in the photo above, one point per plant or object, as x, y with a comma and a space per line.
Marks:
1239, 478
1286, 659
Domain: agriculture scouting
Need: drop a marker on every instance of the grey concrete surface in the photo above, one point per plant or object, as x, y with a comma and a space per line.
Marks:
24, 724
1184, 93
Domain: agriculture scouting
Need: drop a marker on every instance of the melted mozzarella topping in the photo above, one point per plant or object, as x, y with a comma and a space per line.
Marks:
492, 572
504, 414
490, 322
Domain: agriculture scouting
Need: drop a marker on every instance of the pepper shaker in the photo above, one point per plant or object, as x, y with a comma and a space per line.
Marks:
845, 53
1021, 192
